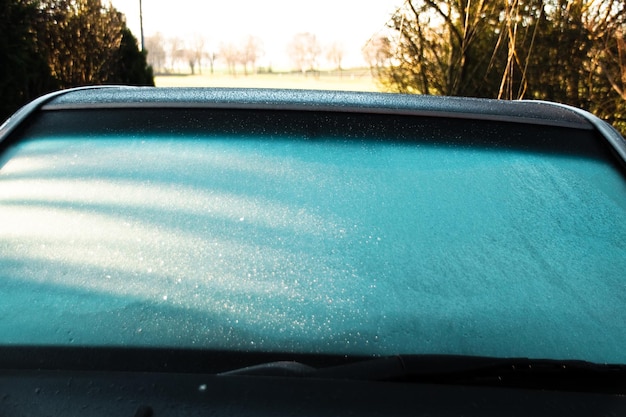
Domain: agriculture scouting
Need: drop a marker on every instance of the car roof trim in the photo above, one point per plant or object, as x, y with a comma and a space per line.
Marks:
616, 140
16, 119
304, 107
531, 112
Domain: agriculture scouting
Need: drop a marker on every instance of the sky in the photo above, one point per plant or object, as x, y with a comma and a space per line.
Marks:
275, 22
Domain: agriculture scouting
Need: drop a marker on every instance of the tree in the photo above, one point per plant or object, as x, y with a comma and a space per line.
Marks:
212, 56
377, 53
570, 59
335, 55
436, 47
81, 37
250, 53
197, 51
177, 54
24, 73
51, 44
569, 51
605, 24
304, 51
157, 57
85, 43
130, 65
613, 62
229, 53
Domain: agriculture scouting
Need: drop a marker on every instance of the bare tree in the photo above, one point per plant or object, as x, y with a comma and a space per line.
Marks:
377, 52
304, 51
155, 45
613, 63
335, 54
378, 55
190, 58
197, 51
569, 51
251, 51
230, 53
606, 21
212, 56
176, 52
437, 46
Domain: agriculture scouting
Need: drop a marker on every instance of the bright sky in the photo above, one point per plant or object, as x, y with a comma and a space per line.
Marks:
275, 22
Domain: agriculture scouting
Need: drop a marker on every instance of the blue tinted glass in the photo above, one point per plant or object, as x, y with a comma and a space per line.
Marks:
325, 246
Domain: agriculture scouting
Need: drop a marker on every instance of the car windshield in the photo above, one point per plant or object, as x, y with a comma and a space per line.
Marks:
313, 233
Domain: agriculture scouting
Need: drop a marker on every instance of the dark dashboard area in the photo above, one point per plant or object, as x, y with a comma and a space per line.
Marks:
94, 393
63, 381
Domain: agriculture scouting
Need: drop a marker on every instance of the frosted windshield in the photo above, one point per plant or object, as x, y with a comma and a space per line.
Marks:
338, 247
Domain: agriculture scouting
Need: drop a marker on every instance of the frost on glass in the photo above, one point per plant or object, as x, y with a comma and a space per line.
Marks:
320, 246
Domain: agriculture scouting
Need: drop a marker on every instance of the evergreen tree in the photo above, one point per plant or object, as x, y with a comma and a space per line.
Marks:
51, 44
88, 43
130, 66
24, 73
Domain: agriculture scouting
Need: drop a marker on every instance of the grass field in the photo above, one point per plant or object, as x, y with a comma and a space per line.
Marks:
351, 80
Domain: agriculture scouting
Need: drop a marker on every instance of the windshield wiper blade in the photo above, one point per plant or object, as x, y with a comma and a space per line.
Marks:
279, 368
567, 375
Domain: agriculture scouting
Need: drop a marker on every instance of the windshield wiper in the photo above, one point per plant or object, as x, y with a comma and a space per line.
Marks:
566, 375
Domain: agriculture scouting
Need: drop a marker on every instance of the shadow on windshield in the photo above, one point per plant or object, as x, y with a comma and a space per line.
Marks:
365, 235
